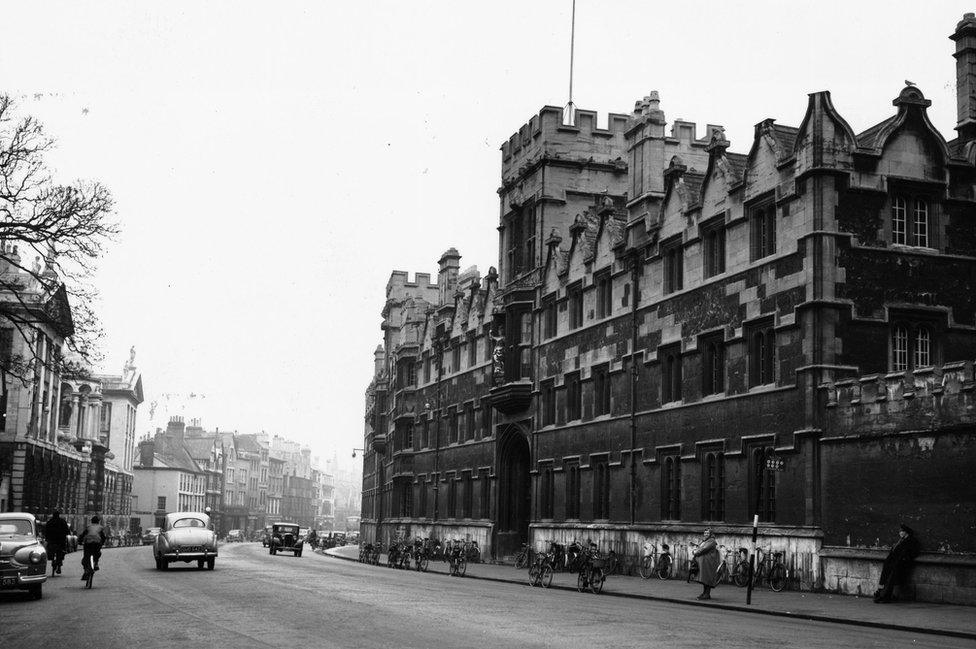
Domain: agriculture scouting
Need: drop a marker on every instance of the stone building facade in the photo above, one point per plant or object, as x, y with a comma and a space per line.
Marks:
66, 442
681, 337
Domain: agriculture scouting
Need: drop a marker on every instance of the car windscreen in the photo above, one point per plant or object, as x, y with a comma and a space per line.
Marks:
286, 530
189, 522
15, 526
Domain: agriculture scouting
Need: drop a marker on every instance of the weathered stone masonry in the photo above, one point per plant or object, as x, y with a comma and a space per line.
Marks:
667, 315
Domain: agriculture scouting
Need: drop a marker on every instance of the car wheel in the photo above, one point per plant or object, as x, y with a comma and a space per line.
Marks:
200, 563
159, 563
165, 563
210, 563
273, 551
36, 592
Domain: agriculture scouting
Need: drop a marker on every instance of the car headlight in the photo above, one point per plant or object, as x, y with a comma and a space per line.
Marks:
36, 556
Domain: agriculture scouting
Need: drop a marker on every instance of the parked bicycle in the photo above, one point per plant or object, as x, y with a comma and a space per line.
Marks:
419, 554
558, 552
740, 569
723, 575
770, 567
692, 564
541, 569
472, 552
457, 561
522, 556
591, 573
574, 553
654, 564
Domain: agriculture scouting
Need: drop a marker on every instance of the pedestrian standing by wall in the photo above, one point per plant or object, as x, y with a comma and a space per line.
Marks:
897, 567
707, 557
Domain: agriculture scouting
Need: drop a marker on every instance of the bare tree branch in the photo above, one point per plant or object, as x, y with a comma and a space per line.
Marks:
62, 230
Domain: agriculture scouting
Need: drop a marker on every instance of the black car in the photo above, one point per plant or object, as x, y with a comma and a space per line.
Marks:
285, 537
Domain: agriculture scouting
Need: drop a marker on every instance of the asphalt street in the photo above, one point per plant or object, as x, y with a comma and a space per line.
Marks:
253, 599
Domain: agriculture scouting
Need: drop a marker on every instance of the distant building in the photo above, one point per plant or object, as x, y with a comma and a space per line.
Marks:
166, 478
252, 478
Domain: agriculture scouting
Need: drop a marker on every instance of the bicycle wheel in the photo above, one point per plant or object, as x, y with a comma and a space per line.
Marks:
534, 574
546, 577
777, 577
462, 566
597, 577
521, 559
90, 570
740, 574
581, 581
722, 576
423, 564
646, 567
664, 567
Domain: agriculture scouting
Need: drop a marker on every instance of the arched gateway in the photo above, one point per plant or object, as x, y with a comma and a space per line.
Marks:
514, 492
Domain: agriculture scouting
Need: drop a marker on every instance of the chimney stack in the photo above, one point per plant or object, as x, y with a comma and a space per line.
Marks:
965, 39
448, 274
175, 427
146, 449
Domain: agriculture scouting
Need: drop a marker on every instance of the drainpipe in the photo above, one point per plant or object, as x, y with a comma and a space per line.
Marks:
439, 350
635, 276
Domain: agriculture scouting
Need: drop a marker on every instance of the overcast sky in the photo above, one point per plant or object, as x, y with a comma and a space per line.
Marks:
273, 162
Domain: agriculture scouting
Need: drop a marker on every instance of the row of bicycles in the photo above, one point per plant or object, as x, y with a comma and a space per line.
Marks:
591, 566
418, 554
733, 568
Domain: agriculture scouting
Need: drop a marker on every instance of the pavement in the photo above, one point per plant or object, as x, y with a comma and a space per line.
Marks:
918, 617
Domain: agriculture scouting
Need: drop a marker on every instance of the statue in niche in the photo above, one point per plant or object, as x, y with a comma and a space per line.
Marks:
498, 357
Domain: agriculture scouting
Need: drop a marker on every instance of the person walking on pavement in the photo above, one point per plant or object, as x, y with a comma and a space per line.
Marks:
92, 539
707, 557
897, 565
56, 532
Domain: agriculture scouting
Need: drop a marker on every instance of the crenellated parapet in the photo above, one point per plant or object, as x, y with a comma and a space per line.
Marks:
545, 136
925, 399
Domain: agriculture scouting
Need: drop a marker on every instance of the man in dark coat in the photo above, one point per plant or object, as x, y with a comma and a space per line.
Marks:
56, 532
898, 565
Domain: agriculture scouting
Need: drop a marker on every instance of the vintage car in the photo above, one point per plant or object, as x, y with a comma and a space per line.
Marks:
186, 537
23, 560
285, 538
149, 536
235, 535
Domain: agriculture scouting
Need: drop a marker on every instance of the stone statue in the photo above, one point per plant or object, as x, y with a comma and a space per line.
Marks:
130, 365
498, 358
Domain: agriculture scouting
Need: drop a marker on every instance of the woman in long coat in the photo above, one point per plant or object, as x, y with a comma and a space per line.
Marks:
707, 557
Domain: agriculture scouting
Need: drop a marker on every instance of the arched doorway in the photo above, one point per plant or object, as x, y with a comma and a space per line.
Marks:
514, 493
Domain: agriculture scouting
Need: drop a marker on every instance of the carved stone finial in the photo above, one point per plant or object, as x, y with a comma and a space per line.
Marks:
553, 240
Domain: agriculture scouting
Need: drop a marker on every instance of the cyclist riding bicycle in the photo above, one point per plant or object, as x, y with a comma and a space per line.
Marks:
92, 539
56, 531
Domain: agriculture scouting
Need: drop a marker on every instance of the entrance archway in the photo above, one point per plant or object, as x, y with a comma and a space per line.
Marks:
514, 493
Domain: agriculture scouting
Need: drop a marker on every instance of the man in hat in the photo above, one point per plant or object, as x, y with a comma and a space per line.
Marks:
898, 565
